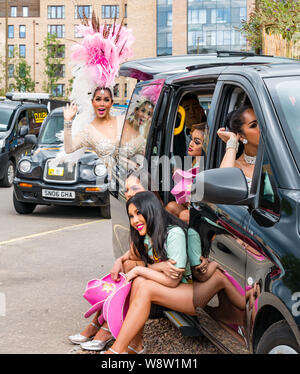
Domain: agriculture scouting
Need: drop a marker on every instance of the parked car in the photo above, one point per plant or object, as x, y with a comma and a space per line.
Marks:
37, 182
255, 236
17, 118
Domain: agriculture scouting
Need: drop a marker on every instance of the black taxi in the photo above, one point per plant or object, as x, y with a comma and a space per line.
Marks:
254, 235
37, 182
20, 114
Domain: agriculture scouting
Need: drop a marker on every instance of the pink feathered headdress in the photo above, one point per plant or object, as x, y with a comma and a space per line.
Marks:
152, 91
103, 49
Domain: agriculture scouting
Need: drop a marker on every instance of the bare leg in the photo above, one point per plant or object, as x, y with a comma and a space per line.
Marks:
91, 330
103, 334
223, 282
139, 309
179, 298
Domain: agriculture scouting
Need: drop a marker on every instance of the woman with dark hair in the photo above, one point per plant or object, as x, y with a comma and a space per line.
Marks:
95, 337
195, 150
243, 127
102, 134
157, 236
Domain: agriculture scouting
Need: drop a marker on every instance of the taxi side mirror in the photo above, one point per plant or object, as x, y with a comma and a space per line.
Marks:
220, 186
30, 139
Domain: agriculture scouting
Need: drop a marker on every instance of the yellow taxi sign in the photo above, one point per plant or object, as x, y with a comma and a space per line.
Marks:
40, 116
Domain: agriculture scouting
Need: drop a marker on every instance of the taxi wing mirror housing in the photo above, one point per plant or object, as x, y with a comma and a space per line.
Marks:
24, 130
220, 186
30, 139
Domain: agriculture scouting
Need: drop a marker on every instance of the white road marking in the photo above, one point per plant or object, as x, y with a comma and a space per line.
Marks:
48, 232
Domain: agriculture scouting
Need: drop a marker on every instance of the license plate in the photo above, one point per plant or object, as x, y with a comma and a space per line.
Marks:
55, 194
58, 171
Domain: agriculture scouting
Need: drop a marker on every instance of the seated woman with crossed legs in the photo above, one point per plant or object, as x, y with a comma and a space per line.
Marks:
156, 237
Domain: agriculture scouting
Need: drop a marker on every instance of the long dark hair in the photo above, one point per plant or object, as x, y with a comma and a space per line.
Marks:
157, 219
236, 119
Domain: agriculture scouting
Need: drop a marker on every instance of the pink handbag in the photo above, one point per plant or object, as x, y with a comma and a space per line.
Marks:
112, 298
183, 184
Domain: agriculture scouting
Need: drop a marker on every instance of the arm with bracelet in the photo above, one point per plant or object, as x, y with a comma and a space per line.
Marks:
232, 143
71, 143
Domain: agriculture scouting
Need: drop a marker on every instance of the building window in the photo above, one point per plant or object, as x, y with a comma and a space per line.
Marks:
82, 11
11, 51
215, 25
22, 31
11, 70
58, 30
125, 10
56, 12
25, 11
110, 11
11, 31
59, 70
125, 90
164, 27
22, 50
56, 51
117, 90
58, 90
13, 11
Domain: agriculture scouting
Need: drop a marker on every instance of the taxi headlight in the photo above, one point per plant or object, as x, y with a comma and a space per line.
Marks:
24, 166
100, 170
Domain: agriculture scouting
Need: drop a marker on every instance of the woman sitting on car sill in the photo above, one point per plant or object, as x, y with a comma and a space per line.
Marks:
95, 337
152, 286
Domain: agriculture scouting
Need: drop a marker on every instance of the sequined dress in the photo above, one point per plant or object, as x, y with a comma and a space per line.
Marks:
90, 137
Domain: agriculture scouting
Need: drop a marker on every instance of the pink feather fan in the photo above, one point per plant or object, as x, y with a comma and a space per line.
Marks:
103, 49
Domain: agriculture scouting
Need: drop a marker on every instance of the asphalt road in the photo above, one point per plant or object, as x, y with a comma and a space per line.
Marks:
46, 259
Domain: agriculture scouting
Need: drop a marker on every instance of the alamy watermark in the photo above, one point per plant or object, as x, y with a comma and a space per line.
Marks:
296, 305
158, 176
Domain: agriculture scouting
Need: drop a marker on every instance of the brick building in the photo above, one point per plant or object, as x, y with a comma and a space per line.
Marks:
160, 27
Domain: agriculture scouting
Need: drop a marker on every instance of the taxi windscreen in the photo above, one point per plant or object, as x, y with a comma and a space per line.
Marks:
53, 127
5, 119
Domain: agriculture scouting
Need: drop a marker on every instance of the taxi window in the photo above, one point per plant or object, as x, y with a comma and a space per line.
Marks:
137, 124
36, 117
285, 93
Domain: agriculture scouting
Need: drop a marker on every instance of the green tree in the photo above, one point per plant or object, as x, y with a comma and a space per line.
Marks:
2, 74
22, 77
53, 53
275, 17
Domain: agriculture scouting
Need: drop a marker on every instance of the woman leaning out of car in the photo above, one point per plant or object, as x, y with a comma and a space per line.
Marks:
243, 127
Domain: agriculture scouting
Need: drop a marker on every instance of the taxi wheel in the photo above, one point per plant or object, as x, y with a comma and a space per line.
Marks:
105, 211
9, 175
278, 339
23, 208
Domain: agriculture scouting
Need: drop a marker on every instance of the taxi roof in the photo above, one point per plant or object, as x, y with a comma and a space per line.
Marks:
165, 66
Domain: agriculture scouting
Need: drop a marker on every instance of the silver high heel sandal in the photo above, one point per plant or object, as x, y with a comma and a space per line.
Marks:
143, 350
78, 338
96, 345
114, 352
